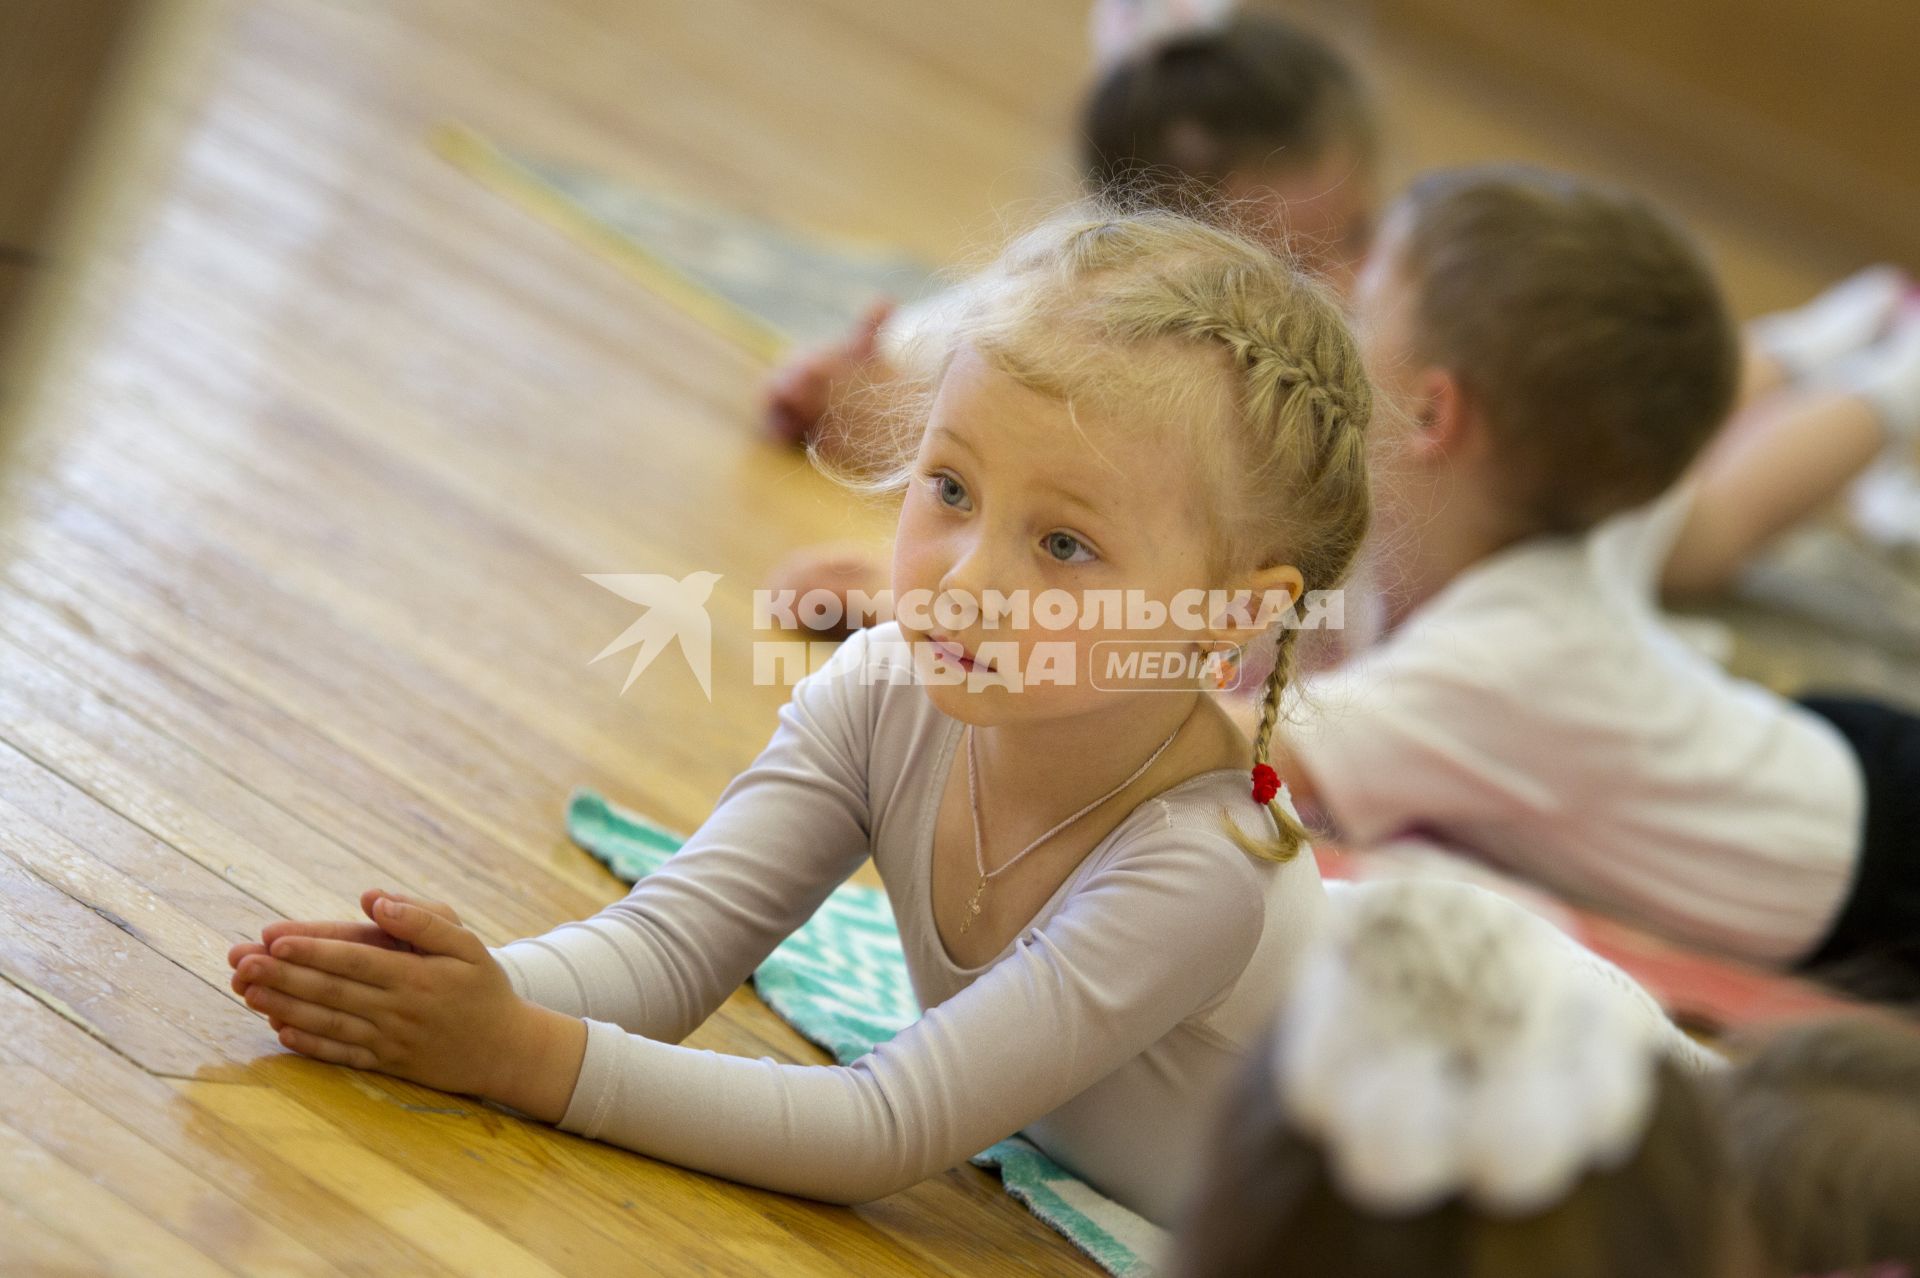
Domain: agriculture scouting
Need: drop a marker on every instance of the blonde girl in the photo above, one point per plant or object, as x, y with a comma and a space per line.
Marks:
1095, 913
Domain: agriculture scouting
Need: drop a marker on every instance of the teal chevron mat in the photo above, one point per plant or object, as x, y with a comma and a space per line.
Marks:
841, 980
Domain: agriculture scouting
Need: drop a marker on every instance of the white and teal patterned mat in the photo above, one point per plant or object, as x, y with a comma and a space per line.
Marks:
841, 980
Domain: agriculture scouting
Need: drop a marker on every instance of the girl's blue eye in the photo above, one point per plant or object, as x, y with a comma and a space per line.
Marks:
1067, 548
949, 491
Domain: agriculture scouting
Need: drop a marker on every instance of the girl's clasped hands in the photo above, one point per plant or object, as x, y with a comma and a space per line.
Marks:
413, 993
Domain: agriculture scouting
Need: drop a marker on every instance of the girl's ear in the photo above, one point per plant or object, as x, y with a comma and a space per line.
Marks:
1254, 605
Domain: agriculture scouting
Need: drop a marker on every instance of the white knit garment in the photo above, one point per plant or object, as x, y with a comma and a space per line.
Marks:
1443, 1040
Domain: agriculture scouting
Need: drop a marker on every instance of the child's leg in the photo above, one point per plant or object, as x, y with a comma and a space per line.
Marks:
1877, 936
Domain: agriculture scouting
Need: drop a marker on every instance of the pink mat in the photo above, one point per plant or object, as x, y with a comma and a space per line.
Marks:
1703, 992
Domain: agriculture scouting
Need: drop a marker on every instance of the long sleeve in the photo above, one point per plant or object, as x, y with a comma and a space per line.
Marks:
1160, 931
784, 834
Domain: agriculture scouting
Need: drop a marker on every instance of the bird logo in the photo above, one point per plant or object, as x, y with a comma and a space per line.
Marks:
674, 610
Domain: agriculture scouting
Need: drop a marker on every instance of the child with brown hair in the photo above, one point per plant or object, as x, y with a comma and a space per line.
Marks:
1559, 353
1453, 1088
1823, 1121
1253, 110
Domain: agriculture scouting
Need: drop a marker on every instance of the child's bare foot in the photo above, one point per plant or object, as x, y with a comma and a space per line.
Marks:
850, 573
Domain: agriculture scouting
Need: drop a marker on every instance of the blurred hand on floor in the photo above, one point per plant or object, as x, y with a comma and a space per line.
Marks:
802, 392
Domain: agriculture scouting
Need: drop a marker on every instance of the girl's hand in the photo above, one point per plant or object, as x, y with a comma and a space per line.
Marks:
360, 933
439, 1012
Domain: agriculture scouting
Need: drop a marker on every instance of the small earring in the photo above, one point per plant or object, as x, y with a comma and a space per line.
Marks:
1229, 672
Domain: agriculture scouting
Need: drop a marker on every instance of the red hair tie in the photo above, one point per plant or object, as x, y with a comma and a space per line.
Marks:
1266, 783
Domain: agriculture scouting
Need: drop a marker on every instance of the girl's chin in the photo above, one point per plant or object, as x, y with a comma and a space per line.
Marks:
986, 701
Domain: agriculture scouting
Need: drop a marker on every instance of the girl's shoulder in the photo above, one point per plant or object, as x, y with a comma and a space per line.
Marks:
868, 690
1190, 820
1272, 909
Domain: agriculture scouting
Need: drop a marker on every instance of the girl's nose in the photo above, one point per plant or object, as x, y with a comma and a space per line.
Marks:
973, 571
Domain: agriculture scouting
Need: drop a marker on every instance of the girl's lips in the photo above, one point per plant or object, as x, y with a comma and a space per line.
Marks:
955, 653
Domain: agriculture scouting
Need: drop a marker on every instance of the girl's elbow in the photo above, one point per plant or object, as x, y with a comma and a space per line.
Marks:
861, 1190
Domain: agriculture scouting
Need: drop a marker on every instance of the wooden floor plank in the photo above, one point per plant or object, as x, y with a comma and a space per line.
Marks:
85, 965
35, 1248
147, 1179
280, 1193
397, 715
173, 793
150, 902
120, 1239
50, 813
366, 1178
286, 761
580, 1205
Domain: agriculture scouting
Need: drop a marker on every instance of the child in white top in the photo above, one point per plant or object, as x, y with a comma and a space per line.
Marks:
1137, 403
1263, 117
1560, 353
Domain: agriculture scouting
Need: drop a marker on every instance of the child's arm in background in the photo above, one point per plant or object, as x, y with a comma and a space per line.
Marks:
828, 383
1786, 457
1776, 464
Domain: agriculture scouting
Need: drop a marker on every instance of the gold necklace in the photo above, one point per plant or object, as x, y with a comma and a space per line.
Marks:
973, 799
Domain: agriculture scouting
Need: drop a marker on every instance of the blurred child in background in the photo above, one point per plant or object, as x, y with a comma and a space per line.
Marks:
1560, 353
1455, 1089
1190, 110
1823, 1122
1270, 125
1251, 110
